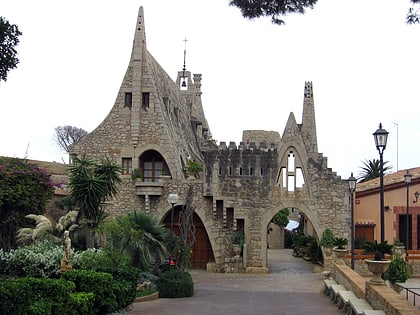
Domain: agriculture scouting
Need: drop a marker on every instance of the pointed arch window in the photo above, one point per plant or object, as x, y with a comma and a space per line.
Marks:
291, 174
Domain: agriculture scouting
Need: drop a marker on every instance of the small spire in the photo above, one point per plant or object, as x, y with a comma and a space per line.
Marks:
184, 83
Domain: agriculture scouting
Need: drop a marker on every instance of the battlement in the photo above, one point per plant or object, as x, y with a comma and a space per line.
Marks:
250, 146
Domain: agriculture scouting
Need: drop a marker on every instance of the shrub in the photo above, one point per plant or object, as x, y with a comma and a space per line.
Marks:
173, 283
81, 303
14, 297
327, 238
41, 259
100, 283
399, 270
35, 296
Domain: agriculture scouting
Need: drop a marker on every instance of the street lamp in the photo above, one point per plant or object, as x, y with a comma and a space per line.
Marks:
172, 199
381, 136
352, 188
407, 180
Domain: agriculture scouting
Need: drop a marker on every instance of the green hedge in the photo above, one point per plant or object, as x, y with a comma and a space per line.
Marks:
35, 296
82, 303
100, 283
173, 283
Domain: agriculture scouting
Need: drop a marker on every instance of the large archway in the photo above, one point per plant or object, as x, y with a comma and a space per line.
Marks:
303, 241
202, 252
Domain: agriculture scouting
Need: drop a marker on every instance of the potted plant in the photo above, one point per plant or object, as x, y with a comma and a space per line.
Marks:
399, 271
136, 174
327, 241
238, 240
193, 168
340, 248
378, 265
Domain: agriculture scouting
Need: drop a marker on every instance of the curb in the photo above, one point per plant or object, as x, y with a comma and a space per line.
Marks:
151, 297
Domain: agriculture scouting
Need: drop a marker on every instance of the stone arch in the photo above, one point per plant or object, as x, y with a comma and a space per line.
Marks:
202, 250
266, 219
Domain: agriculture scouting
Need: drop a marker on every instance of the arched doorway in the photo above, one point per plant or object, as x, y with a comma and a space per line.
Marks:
202, 252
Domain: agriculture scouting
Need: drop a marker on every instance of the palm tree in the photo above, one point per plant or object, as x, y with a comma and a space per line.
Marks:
372, 169
90, 185
138, 235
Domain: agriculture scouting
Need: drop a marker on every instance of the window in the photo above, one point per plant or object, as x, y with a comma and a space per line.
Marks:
127, 166
145, 100
230, 214
153, 166
128, 101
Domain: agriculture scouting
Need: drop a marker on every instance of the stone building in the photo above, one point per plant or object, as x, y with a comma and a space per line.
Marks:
158, 125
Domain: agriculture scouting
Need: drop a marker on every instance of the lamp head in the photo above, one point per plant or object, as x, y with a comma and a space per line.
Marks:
407, 177
381, 137
173, 198
352, 183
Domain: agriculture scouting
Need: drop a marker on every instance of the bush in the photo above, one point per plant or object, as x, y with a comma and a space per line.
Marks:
81, 303
14, 297
173, 283
41, 260
399, 270
35, 296
100, 283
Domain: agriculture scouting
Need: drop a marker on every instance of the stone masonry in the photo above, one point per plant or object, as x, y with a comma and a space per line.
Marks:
158, 125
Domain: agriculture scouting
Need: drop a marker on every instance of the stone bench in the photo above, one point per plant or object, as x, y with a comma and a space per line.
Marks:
328, 283
374, 312
343, 300
335, 288
358, 306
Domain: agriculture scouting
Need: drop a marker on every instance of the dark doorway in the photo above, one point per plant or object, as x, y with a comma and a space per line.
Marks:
202, 252
402, 227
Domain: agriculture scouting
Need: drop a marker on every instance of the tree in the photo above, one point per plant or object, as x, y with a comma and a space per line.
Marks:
413, 15
67, 135
372, 169
281, 218
138, 235
272, 8
90, 185
24, 189
9, 38
252, 9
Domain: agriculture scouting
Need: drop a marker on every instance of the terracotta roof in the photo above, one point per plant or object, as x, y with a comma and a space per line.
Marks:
391, 178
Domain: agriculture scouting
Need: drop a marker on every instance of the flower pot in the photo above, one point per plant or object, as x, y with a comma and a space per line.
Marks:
237, 248
396, 287
340, 252
377, 267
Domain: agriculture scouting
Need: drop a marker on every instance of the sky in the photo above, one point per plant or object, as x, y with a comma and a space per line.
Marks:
360, 56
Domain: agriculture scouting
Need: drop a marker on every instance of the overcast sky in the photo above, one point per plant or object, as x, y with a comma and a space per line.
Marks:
360, 55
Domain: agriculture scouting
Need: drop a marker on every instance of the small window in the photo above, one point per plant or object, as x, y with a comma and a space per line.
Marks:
127, 166
251, 171
240, 171
230, 170
145, 100
128, 102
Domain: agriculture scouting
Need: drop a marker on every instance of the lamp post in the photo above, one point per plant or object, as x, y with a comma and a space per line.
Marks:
407, 180
352, 189
381, 136
172, 199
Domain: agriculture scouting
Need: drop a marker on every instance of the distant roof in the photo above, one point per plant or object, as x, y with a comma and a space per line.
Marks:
389, 179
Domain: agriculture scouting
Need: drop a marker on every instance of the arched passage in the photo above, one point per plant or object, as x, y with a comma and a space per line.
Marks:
202, 252
304, 237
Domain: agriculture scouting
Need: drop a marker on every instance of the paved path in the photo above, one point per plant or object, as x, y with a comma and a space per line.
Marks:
291, 288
